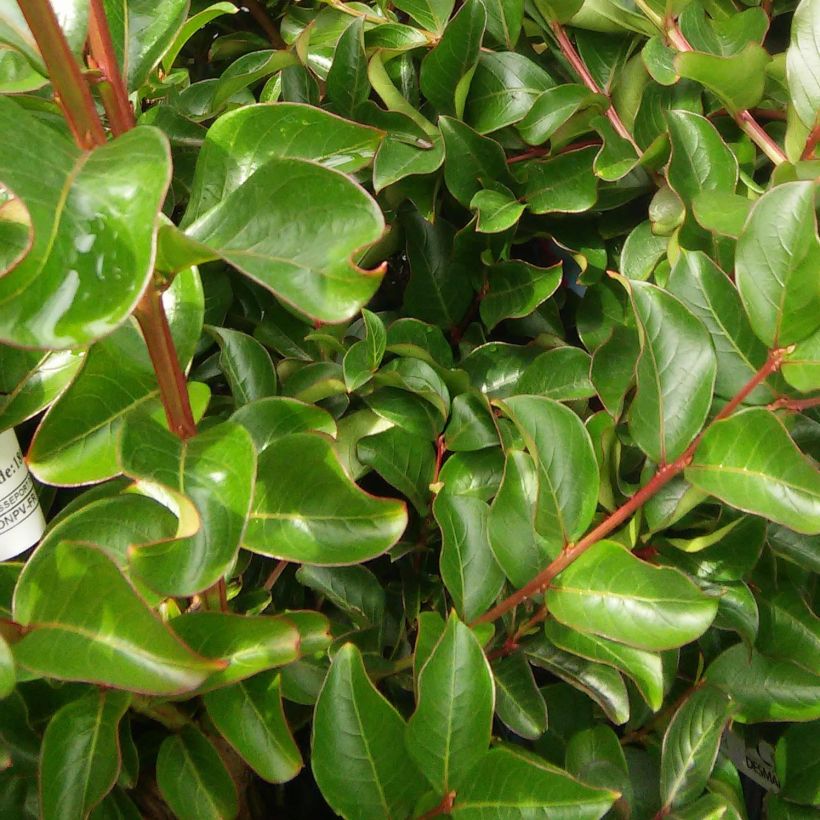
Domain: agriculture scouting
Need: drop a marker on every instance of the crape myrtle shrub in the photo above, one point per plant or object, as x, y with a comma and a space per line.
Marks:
424, 400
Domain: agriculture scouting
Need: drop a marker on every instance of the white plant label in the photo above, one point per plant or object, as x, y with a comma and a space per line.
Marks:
756, 762
21, 518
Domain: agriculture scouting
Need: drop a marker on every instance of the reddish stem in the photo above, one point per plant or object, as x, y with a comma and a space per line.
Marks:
574, 59
564, 149
811, 143
113, 91
445, 807
748, 124
280, 567
457, 331
441, 449
663, 476
785, 403
170, 378
260, 14
531, 154
70, 87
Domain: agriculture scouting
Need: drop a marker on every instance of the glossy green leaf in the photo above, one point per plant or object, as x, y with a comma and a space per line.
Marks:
508, 782
354, 723
438, 291
722, 35
80, 758
700, 160
395, 37
7, 673
210, 478
518, 549
364, 356
777, 257
602, 684
515, 289
497, 208
609, 592
249, 716
193, 24
617, 156
567, 470
504, 88
553, 108
76, 443
30, 381
471, 425
675, 374
561, 374
795, 547
404, 460
690, 745
250, 68
430, 628
468, 567
114, 639
143, 33
789, 629
246, 364
519, 703
644, 668
431, 14
595, 757
450, 730
72, 16
272, 418
659, 59
116, 804
749, 461
110, 197
193, 778
801, 366
738, 80
797, 759
504, 18
446, 71
612, 371
289, 521
708, 292
473, 160
243, 141
495, 368
354, 590
708, 807
246, 644
563, 184
803, 63
117, 524
763, 688
721, 212
398, 158
347, 83
278, 244
642, 251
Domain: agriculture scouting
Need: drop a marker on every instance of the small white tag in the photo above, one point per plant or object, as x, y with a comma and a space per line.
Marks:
757, 763
21, 520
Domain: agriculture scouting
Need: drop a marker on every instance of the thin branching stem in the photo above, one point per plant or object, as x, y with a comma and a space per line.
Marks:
578, 65
70, 88
112, 89
664, 474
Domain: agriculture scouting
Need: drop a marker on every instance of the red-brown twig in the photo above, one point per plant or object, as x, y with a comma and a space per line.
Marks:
665, 473
578, 65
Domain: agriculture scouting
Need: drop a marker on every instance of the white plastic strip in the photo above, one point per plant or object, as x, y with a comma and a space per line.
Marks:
21, 519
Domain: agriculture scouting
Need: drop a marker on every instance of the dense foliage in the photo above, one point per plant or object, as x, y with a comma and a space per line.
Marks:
491, 487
